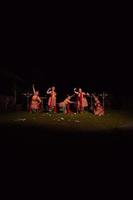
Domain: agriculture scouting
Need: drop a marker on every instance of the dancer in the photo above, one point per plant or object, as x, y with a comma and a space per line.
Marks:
52, 99
35, 101
98, 108
81, 99
65, 105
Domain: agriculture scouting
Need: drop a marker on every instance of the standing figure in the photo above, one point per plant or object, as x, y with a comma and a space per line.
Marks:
98, 108
65, 105
52, 99
81, 99
35, 101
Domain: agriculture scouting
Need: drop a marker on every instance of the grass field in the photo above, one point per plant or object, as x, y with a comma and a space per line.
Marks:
57, 136
72, 122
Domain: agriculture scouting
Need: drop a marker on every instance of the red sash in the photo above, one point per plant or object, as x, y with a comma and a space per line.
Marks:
50, 102
68, 108
81, 100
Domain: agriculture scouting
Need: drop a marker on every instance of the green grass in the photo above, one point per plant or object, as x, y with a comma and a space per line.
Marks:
82, 122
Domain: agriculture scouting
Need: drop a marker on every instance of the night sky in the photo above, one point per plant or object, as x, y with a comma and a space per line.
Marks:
69, 51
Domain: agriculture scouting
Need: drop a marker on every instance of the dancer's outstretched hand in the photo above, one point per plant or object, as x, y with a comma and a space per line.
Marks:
87, 94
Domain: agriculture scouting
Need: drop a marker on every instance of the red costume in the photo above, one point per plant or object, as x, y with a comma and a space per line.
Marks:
65, 105
81, 100
35, 101
98, 110
52, 99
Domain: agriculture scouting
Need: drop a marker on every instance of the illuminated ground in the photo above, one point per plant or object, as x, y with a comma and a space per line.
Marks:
72, 122
57, 136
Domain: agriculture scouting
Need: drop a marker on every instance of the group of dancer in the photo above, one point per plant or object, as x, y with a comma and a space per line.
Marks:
81, 102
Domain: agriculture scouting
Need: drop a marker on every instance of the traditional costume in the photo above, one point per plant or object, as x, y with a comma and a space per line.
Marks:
65, 105
35, 101
81, 102
98, 109
52, 99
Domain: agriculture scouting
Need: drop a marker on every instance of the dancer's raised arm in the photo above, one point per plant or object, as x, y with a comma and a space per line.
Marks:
48, 91
75, 91
33, 87
87, 94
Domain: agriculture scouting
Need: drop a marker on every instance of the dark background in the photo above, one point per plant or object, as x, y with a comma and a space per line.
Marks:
76, 47
69, 49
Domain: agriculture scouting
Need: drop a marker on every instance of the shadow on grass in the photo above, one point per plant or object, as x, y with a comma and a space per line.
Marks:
42, 143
